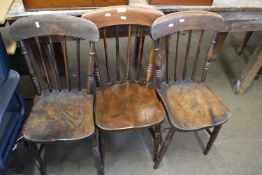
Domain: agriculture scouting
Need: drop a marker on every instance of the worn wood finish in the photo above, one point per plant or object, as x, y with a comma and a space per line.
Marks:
123, 15
249, 73
127, 106
71, 4
60, 116
61, 111
190, 105
57, 24
129, 101
193, 106
188, 20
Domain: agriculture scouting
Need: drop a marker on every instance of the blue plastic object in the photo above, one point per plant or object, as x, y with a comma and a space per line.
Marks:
12, 108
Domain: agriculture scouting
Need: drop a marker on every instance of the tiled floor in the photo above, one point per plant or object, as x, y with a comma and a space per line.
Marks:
237, 150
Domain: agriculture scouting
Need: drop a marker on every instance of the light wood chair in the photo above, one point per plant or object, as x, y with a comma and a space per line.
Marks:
125, 98
189, 103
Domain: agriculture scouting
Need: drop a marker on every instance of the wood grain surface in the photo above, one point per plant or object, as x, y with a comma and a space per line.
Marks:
55, 24
60, 116
192, 106
123, 15
188, 20
127, 106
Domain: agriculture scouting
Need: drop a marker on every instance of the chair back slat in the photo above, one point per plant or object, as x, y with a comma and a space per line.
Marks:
188, 24
128, 53
52, 50
117, 55
187, 54
64, 48
167, 58
106, 55
209, 56
90, 67
97, 70
150, 66
46, 43
140, 53
200, 41
43, 63
32, 73
78, 71
176, 56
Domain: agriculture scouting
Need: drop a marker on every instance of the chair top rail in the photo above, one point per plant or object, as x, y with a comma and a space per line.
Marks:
55, 24
123, 15
188, 20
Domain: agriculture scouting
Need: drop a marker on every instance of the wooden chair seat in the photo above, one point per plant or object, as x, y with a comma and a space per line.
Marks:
58, 116
192, 106
127, 106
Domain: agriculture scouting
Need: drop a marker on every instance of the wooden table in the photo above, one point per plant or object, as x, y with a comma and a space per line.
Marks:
241, 16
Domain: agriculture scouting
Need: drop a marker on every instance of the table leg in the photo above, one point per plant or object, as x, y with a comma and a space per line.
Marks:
250, 71
244, 43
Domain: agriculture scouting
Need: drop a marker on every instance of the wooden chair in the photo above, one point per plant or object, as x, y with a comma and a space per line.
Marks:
189, 103
124, 100
63, 107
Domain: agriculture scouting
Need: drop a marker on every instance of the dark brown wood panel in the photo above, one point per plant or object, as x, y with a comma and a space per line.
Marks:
60, 116
51, 4
127, 106
193, 106
181, 2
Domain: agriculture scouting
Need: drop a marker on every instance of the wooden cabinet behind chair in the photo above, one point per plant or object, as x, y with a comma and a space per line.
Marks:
181, 2
70, 4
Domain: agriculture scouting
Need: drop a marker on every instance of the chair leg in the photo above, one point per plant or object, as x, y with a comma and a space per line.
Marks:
164, 147
244, 42
37, 158
101, 145
97, 157
212, 139
157, 138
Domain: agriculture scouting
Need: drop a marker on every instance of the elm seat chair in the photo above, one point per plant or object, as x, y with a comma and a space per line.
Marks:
63, 107
124, 100
189, 103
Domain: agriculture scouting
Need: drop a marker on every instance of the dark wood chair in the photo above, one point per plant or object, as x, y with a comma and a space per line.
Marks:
63, 107
189, 103
125, 98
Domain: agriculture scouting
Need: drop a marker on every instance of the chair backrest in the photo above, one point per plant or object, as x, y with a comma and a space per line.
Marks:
44, 36
123, 21
185, 24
